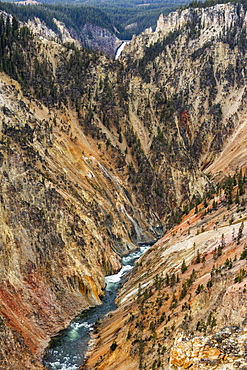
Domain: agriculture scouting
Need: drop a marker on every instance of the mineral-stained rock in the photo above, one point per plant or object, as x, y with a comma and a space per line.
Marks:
65, 221
96, 156
196, 353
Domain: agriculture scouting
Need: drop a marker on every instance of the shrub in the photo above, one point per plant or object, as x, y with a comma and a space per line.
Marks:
113, 346
244, 253
240, 277
199, 288
183, 267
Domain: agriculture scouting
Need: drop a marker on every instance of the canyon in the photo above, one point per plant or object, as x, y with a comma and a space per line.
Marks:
98, 155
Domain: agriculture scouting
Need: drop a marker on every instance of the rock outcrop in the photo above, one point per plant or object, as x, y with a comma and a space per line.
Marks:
89, 35
97, 38
226, 347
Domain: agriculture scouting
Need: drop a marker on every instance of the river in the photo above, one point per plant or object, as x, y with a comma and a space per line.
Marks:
67, 350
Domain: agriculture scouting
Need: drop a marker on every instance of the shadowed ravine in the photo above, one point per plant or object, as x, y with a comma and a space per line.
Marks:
67, 350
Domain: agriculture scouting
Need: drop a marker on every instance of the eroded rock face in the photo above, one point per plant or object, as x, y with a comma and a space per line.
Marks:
180, 319
14, 353
65, 221
213, 19
39, 27
192, 62
91, 167
224, 348
89, 35
100, 39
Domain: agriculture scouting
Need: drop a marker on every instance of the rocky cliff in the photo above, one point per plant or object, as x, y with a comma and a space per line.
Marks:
97, 155
59, 235
199, 69
66, 218
88, 35
183, 306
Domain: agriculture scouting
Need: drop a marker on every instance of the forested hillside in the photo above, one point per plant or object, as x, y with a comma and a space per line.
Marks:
73, 16
122, 18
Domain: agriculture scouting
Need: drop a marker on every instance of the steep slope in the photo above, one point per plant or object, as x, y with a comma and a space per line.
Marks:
233, 154
96, 153
177, 318
120, 112
65, 219
196, 60
83, 25
184, 304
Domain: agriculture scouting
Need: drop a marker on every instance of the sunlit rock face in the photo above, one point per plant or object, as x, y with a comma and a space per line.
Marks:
65, 221
182, 318
98, 155
218, 17
198, 319
198, 68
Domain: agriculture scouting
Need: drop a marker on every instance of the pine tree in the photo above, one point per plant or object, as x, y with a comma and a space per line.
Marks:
183, 291
173, 280
237, 201
167, 279
240, 232
229, 201
198, 257
223, 243
241, 183
183, 267
214, 206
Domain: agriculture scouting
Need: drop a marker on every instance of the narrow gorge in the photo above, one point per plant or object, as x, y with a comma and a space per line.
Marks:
99, 155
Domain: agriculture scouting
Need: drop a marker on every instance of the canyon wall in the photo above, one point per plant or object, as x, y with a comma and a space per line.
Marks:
97, 155
183, 305
66, 219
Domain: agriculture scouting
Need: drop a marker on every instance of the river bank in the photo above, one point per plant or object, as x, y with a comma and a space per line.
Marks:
68, 349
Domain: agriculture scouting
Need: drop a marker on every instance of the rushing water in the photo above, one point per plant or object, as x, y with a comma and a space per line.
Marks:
68, 348
120, 49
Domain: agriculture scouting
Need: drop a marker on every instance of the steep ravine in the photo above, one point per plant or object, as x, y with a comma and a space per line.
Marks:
65, 220
97, 155
184, 305
68, 349
195, 318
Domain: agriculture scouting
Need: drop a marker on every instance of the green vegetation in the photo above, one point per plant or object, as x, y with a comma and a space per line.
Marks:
133, 16
244, 253
198, 257
122, 18
113, 346
183, 291
73, 16
228, 263
183, 267
136, 19
13, 41
199, 288
240, 277
207, 3
192, 278
240, 232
